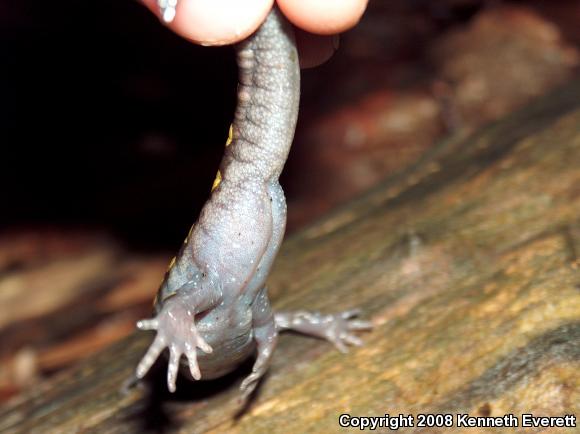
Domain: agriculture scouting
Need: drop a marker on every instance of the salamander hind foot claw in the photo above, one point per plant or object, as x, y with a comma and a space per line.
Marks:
249, 385
340, 327
176, 331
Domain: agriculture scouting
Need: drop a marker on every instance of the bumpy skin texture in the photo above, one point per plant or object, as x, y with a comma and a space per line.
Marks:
214, 296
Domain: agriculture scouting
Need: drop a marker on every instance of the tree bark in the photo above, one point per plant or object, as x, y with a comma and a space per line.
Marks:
467, 263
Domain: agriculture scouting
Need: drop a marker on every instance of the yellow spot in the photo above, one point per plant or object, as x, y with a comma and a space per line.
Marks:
216, 181
171, 264
230, 136
156, 300
218, 177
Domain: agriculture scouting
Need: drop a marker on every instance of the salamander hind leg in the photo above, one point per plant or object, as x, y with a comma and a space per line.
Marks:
266, 337
336, 328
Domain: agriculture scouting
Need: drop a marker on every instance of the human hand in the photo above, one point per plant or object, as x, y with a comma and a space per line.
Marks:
221, 22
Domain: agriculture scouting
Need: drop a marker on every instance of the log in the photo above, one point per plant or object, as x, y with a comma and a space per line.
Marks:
467, 264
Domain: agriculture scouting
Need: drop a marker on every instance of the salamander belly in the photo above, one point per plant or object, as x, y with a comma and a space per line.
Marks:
232, 342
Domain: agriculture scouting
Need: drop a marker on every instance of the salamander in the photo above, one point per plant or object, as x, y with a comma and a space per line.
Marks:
212, 306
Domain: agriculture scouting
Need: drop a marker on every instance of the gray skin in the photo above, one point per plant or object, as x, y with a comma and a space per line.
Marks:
214, 295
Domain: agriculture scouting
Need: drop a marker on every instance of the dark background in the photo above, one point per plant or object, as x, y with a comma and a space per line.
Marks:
108, 119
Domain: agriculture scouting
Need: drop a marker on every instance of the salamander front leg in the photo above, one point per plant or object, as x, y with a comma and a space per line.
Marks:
337, 328
176, 330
